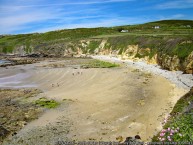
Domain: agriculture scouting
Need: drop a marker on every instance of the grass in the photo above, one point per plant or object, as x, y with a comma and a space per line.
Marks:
43, 102
40, 40
93, 45
179, 126
99, 64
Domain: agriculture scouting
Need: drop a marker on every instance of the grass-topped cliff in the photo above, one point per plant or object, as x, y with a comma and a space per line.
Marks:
168, 43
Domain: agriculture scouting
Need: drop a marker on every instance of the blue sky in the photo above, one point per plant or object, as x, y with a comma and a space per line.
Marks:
28, 16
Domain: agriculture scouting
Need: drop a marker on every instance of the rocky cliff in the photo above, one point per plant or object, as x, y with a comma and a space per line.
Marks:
175, 54
170, 52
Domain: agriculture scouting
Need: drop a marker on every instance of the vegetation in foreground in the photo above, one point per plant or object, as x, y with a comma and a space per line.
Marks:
99, 64
178, 127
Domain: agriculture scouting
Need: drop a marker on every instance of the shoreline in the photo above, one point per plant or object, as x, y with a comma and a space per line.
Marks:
176, 77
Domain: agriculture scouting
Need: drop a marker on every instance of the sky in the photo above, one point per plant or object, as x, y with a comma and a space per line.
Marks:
30, 16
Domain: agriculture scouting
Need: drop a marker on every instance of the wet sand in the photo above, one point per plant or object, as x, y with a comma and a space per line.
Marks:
102, 104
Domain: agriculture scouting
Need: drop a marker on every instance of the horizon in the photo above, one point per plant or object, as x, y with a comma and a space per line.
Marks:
24, 17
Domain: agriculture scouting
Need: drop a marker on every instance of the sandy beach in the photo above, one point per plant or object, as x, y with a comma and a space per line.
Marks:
97, 104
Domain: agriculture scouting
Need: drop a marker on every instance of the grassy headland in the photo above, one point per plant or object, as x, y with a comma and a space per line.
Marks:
168, 27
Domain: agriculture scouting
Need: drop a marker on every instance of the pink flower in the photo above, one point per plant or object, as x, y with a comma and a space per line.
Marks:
169, 139
176, 130
163, 139
171, 134
164, 130
162, 134
169, 129
172, 131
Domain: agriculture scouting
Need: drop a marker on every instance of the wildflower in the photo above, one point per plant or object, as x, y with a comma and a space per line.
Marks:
162, 134
172, 131
180, 134
169, 129
169, 139
164, 130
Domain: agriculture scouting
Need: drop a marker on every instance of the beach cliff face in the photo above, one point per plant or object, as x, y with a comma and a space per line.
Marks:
171, 55
170, 52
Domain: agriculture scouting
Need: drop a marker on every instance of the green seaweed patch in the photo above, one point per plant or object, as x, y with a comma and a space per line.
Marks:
99, 64
43, 102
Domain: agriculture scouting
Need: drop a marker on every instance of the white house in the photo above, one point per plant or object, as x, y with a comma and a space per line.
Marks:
124, 31
156, 27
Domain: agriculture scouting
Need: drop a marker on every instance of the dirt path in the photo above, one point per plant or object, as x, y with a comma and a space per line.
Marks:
99, 104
